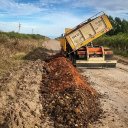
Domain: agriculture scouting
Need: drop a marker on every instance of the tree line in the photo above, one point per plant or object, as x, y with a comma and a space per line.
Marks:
119, 26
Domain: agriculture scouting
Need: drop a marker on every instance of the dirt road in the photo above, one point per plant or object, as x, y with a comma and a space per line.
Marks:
53, 45
112, 84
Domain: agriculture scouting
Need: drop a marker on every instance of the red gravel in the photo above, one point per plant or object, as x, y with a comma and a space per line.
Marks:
67, 98
66, 75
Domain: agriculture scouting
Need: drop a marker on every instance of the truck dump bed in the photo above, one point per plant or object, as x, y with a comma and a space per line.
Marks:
87, 31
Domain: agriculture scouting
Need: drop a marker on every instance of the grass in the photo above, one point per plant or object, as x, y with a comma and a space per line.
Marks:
14, 46
22, 36
118, 43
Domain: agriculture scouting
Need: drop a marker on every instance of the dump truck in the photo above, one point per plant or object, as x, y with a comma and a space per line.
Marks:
77, 43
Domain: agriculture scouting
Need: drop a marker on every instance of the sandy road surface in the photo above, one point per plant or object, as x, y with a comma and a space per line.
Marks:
112, 84
53, 45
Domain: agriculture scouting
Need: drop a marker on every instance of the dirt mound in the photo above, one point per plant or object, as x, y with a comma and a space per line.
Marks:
66, 97
66, 75
39, 53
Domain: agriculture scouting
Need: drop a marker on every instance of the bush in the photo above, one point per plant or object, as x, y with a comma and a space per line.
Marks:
119, 43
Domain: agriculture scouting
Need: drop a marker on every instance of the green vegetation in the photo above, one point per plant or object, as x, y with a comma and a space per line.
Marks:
117, 38
119, 26
118, 43
22, 36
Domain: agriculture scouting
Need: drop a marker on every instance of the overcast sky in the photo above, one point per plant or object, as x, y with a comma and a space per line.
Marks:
51, 17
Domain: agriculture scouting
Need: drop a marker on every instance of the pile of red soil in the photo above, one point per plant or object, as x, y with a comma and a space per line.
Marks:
66, 76
67, 98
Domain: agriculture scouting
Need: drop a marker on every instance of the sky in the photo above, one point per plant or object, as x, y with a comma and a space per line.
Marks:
51, 17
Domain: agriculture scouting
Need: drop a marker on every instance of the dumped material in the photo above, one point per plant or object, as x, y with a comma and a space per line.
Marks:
66, 97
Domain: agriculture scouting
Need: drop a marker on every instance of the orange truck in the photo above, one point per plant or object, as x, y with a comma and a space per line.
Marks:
78, 47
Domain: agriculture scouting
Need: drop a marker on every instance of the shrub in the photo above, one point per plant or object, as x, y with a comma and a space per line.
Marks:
119, 43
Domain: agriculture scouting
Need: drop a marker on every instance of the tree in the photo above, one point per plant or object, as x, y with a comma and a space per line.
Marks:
119, 26
112, 32
124, 26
